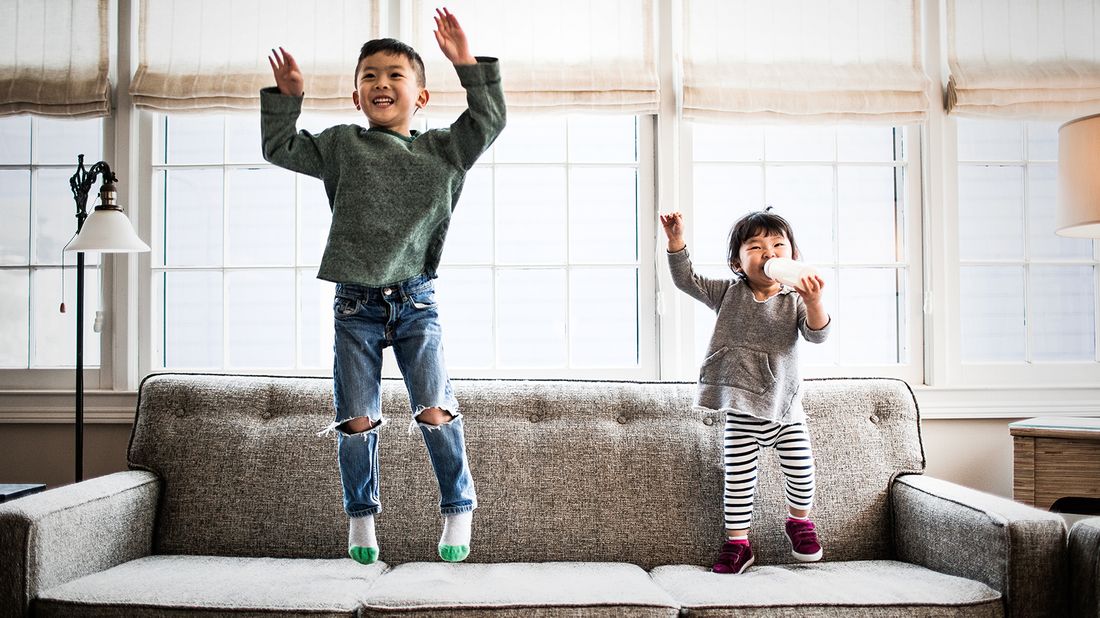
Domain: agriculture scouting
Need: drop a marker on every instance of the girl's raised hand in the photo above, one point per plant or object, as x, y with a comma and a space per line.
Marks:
452, 39
288, 77
673, 223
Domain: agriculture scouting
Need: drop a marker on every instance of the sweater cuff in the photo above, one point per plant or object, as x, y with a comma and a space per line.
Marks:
274, 101
486, 71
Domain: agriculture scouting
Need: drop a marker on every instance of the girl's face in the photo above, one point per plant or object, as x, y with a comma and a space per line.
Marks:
757, 250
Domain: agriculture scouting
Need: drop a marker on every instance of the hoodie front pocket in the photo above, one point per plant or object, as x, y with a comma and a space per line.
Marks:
742, 368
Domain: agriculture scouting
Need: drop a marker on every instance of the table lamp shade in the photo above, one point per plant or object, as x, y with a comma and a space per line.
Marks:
1079, 178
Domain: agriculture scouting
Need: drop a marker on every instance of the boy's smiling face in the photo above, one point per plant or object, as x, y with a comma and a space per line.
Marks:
387, 91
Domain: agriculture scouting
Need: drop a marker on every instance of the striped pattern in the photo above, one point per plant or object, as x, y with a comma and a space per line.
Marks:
743, 437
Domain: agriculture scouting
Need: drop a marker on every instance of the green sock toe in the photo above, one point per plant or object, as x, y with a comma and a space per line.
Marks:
363, 555
454, 553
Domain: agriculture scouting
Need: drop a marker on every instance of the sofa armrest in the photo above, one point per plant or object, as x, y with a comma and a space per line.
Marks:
1084, 567
1013, 548
68, 532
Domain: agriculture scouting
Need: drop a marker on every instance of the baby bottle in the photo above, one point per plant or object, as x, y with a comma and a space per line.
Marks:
788, 271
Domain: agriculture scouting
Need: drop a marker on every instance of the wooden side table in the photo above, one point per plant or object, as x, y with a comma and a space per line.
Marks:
1055, 458
11, 491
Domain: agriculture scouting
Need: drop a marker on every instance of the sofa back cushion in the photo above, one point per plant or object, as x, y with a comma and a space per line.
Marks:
564, 470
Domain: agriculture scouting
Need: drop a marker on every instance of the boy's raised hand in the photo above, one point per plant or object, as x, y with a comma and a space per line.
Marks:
451, 38
673, 223
288, 77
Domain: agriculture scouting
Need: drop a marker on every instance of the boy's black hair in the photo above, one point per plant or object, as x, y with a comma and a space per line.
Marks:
752, 224
395, 48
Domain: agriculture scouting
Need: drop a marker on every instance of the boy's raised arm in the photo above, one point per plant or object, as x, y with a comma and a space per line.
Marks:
288, 77
452, 39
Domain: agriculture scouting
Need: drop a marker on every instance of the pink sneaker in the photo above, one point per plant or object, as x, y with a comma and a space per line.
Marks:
733, 558
804, 544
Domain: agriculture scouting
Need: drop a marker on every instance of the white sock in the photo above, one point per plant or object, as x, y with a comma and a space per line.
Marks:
361, 532
807, 518
456, 529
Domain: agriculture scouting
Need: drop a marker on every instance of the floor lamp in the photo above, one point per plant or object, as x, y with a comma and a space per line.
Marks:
1079, 178
106, 230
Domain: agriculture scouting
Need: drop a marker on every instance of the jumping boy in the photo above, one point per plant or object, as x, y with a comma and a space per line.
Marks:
391, 191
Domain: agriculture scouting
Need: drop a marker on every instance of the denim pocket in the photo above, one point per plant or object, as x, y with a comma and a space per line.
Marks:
344, 307
424, 299
742, 368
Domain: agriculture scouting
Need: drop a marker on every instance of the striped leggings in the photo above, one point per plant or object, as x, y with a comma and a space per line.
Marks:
743, 436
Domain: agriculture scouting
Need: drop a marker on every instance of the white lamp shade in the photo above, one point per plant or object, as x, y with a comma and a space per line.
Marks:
1079, 178
107, 230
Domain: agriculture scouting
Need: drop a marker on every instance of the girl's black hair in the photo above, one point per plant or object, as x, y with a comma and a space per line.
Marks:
753, 224
394, 48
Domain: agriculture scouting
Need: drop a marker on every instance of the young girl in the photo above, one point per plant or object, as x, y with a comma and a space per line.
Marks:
751, 373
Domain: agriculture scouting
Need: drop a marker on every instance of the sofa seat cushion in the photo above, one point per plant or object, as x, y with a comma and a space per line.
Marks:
520, 589
828, 589
208, 585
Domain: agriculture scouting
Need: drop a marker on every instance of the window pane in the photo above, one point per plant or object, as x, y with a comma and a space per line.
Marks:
242, 139
314, 219
15, 140
723, 193
261, 217
192, 217
14, 318
872, 302
470, 238
530, 215
804, 196
15, 203
719, 142
315, 326
55, 216
801, 143
466, 315
55, 332
1062, 305
602, 139
260, 306
532, 140
987, 140
189, 305
61, 140
532, 317
991, 217
1042, 141
869, 230
992, 322
195, 138
1041, 208
866, 144
603, 214
603, 317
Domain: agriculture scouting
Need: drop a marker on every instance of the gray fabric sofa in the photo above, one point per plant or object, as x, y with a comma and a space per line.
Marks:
1084, 567
596, 498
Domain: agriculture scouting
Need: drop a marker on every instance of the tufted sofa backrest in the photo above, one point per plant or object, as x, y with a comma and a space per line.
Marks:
564, 470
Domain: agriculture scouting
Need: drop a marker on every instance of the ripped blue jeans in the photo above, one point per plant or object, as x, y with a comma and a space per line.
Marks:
402, 315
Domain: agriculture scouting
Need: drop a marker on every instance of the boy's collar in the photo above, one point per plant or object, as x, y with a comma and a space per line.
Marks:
413, 133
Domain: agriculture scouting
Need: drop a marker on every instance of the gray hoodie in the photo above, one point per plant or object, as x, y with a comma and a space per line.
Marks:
751, 365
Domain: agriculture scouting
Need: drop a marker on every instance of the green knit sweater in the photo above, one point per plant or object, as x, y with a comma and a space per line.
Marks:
391, 196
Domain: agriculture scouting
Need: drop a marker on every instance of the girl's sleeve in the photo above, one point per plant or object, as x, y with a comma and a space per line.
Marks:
296, 151
708, 291
811, 335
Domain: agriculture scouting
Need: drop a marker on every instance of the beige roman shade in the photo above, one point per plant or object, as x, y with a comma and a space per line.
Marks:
562, 56
212, 54
54, 58
1023, 58
805, 61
